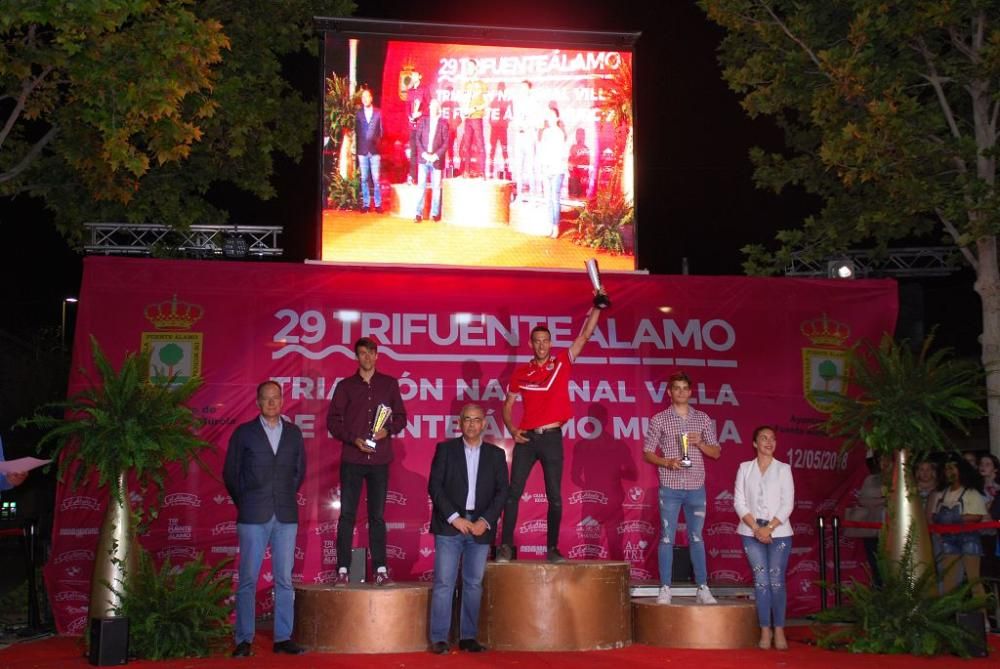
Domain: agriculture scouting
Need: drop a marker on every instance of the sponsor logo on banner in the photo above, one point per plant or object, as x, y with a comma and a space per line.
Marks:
639, 574
71, 596
536, 497
726, 576
726, 553
588, 528
805, 566
395, 497
175, 353
532, 550
269, 576
805, 585
227, 527
587, 551
78, 626
75, 556
177, 552
176, 531
231, 551
222, 499
328, 576
73, 571
804, 528
426, 551
395, 552
425, 528
725, 529
301, 499
395, 526
325, 528
636, 527
267, 604
426, 577
76, 609
634, 498
300, 554
805, 504
826, 505
635, 551
824, 365
588, 497
297, 577
182, 499
80, 502
77, 531
724, 502
329, 551
802, 550
540, 526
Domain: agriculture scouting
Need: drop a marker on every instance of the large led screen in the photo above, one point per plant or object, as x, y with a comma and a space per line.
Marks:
447, 152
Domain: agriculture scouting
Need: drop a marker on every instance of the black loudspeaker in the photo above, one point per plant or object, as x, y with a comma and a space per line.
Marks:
974, 623
108, 641
682, 571
358, 569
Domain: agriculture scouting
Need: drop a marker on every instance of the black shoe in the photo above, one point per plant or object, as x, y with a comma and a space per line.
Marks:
288, 647
343, 580
554, 556
435, 218
418, 218
439, 647
471, 645
505, 553
242, 649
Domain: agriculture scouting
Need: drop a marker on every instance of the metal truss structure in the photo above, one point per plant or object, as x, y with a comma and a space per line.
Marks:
198, 241
922, 261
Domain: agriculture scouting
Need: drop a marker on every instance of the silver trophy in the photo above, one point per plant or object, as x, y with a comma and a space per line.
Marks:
601, 300
382, 413
685, 459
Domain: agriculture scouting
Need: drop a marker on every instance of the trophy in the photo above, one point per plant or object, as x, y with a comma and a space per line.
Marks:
601, 300
685, 460
382, 413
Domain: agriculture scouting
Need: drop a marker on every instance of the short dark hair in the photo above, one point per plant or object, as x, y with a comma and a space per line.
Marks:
678, 376
760, 428
366, 342
539, 328
265, 384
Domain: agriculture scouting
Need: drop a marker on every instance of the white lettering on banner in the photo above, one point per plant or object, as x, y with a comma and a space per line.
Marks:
536, 526
71, 596
82, 555
583, 64
470, 390
587, 552
635, 551
726, 576
635, 428
80, 502
588, 497
307, 423
639, 574
77, 531
182, 499
636, 527
327, 576
602, 393
78, 625
725, 395
426, 576
177, 552
231, 551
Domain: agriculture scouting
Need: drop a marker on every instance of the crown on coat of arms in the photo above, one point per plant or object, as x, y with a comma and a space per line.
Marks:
824, 331
173, 314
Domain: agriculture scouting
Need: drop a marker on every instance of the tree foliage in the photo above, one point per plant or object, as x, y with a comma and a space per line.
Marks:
134, 109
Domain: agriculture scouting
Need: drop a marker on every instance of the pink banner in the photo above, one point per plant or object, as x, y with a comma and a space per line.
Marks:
754, 348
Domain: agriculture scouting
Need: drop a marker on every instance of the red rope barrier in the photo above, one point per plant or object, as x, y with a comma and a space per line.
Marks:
934, 527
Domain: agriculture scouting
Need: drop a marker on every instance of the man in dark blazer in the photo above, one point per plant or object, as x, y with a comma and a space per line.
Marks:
368, 129
468, 488
265, 465
432, 141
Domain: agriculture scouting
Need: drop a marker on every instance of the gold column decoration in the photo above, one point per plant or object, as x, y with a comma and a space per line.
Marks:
905, 516
115, 558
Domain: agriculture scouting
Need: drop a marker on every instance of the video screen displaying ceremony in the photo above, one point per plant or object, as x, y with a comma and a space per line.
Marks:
456, 153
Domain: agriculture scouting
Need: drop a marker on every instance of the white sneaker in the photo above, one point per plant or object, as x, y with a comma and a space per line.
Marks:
704, 595
664, 597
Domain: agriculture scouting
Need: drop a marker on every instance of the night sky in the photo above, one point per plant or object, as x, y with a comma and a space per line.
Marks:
695, 195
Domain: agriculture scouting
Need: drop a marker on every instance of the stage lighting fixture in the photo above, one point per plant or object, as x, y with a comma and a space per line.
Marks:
235, 245
841, 269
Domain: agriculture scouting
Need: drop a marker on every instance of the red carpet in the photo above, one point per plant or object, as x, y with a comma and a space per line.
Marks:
59, 652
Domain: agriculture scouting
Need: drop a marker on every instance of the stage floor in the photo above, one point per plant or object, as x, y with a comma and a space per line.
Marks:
349, 236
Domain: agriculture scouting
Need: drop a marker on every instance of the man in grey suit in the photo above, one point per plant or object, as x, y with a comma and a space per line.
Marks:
265, 465
468, 488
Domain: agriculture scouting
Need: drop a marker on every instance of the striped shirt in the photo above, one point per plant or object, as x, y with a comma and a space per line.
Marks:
664, 437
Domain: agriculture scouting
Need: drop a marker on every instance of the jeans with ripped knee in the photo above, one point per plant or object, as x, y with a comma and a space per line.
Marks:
768, 563
671, 503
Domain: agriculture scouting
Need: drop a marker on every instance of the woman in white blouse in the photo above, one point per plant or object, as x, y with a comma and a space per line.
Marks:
764, 499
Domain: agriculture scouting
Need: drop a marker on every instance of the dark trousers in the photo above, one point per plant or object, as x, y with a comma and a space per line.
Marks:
548, 449
351, 477
472, 149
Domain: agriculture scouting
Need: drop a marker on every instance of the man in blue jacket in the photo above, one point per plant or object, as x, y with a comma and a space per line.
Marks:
468, 488
368, 126
265, 465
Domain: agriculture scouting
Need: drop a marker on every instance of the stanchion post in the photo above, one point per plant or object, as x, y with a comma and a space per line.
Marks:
835, 522
821, 533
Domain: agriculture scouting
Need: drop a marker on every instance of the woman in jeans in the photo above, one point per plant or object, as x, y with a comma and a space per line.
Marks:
764, 498
959, 501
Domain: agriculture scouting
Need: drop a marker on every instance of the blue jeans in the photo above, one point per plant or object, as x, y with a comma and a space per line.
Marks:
448, 551
768, 563
369, 167
553, 189
254, 539
693, 503
423, 171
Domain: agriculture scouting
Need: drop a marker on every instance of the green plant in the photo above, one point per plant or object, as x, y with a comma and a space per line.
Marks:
343, 193
604, 222
124, 422
898, 616
176, 611
341, 106
903, 399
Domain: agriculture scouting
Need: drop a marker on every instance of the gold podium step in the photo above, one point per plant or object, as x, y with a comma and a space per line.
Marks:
732, 623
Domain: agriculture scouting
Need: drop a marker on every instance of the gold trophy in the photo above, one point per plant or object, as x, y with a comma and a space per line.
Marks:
685, 460
601, 300
382, 413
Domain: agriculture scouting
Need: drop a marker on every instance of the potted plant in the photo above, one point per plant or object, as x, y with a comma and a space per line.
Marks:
123, 426
606, 223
